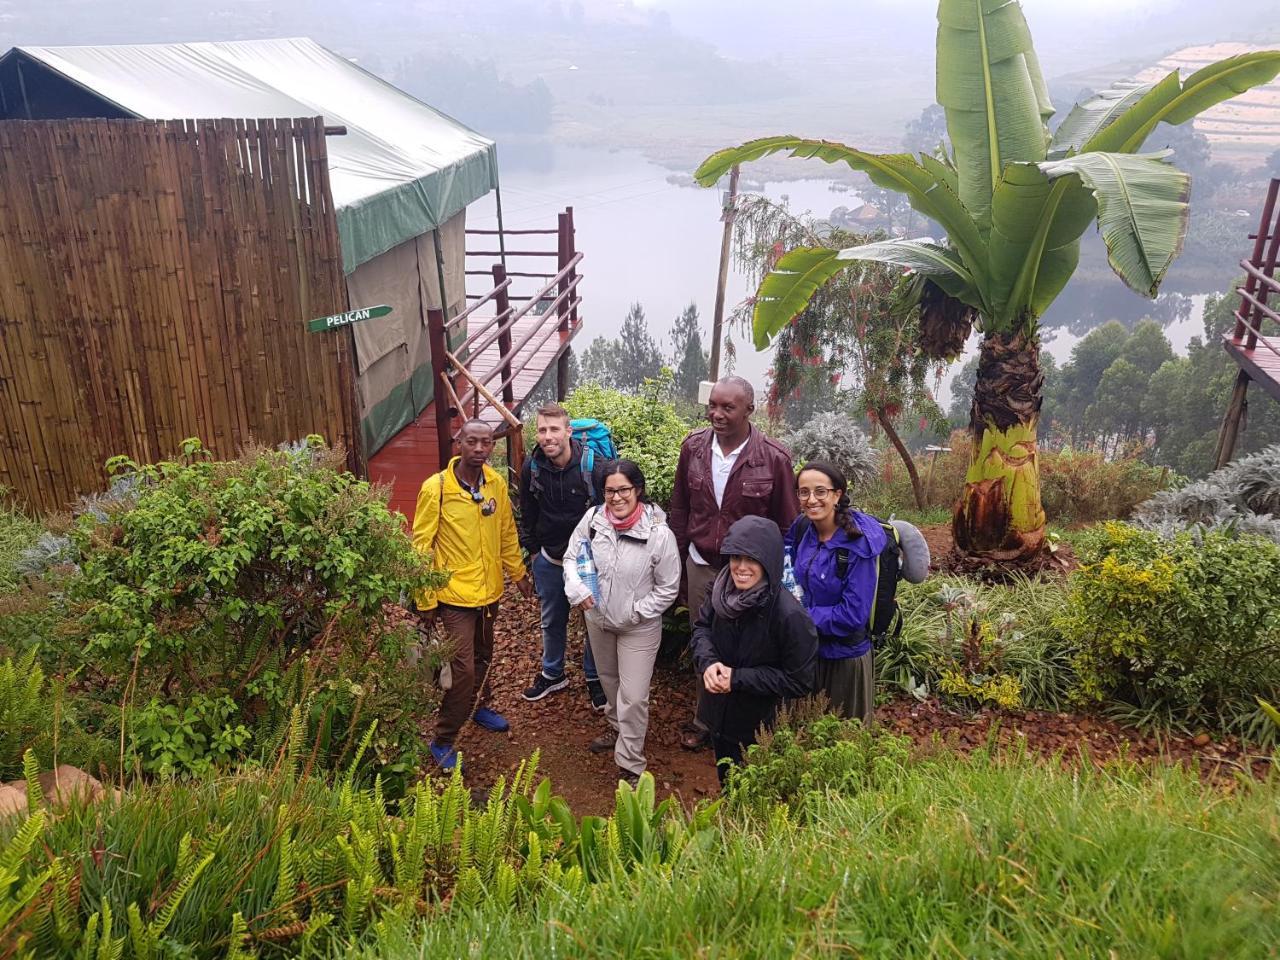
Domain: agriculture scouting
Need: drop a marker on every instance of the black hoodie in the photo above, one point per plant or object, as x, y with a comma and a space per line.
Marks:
771, 649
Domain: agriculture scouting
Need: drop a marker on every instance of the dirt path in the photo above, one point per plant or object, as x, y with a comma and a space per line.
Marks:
562, 725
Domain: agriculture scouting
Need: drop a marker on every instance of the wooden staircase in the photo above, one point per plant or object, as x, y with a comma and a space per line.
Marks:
513, 333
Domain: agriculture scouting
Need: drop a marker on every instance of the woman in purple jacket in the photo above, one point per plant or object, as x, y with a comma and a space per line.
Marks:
834, 551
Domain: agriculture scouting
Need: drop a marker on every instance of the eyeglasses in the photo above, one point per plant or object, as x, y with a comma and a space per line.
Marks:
619, 493
817, 493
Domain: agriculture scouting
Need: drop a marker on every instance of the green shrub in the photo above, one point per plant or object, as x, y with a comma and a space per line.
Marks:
37, 716
810, 751
1184, 630
1033, 652
217, 595
647, 427
280, 864
1084, 487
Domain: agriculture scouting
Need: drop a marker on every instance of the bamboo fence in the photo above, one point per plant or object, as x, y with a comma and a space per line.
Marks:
155, 282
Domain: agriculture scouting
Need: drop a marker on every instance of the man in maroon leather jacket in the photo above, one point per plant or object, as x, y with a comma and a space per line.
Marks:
726, 471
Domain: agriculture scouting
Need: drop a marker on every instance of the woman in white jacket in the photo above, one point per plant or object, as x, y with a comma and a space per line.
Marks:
638, 574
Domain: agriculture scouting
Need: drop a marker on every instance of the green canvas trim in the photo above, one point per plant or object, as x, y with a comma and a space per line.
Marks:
396, 410
405, 401
371, 227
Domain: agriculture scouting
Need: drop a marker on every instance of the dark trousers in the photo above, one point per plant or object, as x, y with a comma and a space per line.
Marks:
470, 631
698, 579
548, 580
726, 749
850, 685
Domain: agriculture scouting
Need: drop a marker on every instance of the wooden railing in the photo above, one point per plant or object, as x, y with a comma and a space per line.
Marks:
466, 375
1260, 280
1242, 342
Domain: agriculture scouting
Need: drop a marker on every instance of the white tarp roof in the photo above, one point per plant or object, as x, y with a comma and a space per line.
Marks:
401, 170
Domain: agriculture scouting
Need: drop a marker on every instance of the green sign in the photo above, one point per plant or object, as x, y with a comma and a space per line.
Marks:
351, 316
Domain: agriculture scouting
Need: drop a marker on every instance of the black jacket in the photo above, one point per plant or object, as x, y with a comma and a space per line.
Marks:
549, 513
771, 649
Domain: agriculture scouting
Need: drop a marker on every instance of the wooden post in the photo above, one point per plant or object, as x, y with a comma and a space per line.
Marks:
717, 319
502, 304
1251, 282
1231, 422
439, 368
570, 253
562, 249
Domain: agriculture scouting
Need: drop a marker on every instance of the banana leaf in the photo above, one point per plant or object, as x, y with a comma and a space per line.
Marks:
926, 184
1142, 210
798, 275
1174, 101
1091, 116
989, 84
1036, 227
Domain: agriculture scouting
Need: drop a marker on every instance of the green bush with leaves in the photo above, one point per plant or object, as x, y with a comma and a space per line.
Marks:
1033, 654
219, 594
1184, 631
37, 717
1084, 486
811, 751
647, 427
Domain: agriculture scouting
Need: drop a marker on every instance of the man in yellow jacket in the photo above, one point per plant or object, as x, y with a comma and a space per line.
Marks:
464, 523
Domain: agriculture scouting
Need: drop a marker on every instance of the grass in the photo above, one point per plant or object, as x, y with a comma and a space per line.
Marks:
17, 532
944, 858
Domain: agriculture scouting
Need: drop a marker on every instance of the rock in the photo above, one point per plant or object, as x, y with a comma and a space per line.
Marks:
1202, 740
68, 784
13, 799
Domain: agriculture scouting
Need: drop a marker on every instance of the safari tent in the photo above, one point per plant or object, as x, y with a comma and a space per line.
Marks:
402, 174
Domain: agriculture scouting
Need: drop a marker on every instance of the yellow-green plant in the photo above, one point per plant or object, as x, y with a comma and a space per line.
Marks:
1013, 202
1182, 630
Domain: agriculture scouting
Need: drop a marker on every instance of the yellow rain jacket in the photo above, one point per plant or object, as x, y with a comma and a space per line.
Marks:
458, 535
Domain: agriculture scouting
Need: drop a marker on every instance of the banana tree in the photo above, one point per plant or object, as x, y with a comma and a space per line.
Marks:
1013, 202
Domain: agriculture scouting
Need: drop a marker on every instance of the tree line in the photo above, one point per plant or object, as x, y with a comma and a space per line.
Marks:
1125, 392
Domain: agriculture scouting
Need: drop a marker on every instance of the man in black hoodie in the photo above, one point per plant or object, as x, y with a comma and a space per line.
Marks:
554, 494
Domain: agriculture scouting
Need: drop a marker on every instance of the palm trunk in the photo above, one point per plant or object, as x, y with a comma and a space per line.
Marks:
999, 516
908, 461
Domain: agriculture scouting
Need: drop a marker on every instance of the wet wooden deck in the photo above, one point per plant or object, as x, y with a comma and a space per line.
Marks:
1262, 362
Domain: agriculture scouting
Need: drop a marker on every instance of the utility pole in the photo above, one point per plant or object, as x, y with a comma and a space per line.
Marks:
717, 322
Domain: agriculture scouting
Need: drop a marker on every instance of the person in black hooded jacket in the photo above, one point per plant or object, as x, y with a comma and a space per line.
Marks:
753, 642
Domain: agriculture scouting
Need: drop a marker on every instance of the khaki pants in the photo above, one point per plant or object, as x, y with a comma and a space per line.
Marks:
470, 629
624, 660
698, 579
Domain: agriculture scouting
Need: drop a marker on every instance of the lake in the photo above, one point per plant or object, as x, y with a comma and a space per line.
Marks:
648, 240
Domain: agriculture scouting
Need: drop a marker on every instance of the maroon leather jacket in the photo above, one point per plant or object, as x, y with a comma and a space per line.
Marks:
762, 484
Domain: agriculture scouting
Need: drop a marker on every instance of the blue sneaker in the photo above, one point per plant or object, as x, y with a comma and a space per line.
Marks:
491, 720
445, 755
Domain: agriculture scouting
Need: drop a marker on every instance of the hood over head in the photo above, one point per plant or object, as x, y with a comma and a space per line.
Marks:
760, 539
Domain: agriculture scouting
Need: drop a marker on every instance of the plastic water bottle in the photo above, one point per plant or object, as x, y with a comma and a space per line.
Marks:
587, 570
789, 582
